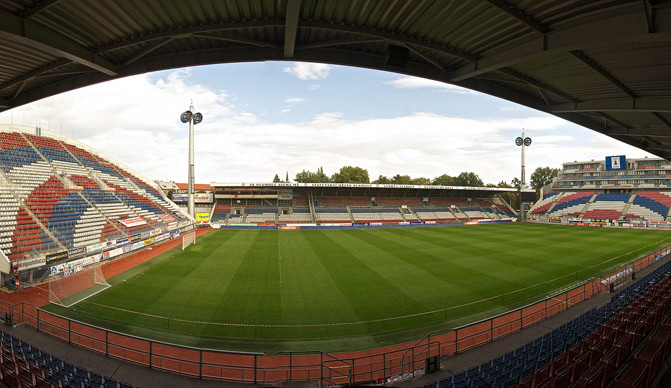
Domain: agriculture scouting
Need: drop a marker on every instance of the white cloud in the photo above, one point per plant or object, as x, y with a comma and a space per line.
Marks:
132, 103
308, 71
408, 82
294, 100
138, 124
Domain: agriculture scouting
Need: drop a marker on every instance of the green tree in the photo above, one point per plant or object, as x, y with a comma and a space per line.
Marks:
321, 177
382, 180
543, 176
399, 179
277, 179
468, 179
304, 176
318, 176
443, 180
513, 198
515, 182
420, 181
350, 174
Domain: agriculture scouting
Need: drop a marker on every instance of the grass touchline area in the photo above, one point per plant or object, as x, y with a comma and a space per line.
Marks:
252, 289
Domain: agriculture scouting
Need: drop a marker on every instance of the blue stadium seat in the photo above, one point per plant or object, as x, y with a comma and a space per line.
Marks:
538, 355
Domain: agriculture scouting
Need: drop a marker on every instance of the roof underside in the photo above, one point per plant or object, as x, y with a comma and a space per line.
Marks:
603, 64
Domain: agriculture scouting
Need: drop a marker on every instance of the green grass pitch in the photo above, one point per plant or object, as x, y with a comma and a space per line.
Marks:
345, 289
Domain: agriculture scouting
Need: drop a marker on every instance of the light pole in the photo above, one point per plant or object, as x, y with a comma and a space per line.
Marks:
522, 141
192, 119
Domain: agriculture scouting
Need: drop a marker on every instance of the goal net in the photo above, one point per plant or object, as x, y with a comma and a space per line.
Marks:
188, 238
76, 284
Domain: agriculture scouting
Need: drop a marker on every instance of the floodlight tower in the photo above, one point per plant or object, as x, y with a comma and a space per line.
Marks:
522, 141
192, 119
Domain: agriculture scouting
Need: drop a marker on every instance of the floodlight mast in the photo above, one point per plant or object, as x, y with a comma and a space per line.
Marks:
523, 142
191, 203
192, 119
524, 175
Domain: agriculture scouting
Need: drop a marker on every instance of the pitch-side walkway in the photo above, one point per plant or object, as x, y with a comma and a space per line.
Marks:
145, 377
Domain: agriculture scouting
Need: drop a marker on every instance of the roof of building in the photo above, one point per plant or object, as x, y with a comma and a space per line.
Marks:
604, 161
358, 186
197, 186
602, 64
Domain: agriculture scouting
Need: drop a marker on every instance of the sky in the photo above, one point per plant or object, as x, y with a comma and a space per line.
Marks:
267, 118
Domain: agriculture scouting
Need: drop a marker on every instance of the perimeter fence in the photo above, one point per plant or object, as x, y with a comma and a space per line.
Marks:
375, 365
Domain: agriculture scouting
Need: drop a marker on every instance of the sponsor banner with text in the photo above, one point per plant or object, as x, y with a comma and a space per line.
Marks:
122, 241
180, 198
31, 263
56, 256
94, 248
76, 252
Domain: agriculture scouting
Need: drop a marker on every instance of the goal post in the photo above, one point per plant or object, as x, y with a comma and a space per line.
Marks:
188, 238
74, 285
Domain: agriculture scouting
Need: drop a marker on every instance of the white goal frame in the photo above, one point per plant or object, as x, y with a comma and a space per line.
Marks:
67, 289
188, 238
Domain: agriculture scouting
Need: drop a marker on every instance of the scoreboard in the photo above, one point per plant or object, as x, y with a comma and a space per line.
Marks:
618, 162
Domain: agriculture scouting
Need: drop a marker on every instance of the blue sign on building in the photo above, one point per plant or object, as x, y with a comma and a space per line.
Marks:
180, 198
618, 162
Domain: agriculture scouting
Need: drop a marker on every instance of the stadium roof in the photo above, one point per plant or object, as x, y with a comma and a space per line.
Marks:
360, 186
603, 64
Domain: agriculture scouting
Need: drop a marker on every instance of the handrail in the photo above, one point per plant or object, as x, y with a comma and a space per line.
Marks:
307, 365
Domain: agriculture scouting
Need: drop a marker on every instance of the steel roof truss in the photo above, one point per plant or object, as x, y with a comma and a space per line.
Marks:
31, 34
291, 27
640, 104
519, 15
603, 72
612, 31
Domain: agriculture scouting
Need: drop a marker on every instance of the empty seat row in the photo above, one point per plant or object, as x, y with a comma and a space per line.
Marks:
592, 349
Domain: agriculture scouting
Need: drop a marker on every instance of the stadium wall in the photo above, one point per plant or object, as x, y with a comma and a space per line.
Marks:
101, 252
355, 226
360, 367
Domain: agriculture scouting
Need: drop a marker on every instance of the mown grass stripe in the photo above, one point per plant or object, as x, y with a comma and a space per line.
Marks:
340, 284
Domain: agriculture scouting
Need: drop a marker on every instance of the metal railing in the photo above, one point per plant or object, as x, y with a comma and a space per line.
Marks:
375, 365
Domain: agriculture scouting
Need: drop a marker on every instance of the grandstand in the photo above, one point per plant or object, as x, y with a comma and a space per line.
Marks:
638, 193
61, 199
354, 204
23, 365
602, 65
624, 343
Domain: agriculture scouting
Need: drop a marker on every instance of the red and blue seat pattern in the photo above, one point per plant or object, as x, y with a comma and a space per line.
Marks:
57, 194
652, 206
571, 203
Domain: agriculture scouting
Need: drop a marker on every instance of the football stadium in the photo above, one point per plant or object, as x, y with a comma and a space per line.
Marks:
110, 278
